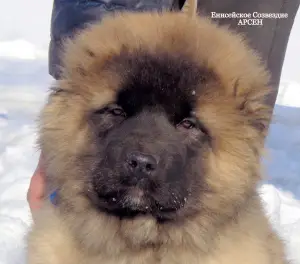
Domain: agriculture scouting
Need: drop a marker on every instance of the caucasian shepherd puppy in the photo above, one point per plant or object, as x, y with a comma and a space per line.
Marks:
152, 141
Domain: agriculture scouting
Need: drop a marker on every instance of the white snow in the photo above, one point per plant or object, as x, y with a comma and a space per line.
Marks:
24, 80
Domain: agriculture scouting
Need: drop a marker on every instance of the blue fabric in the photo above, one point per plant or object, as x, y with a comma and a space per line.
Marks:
53, 197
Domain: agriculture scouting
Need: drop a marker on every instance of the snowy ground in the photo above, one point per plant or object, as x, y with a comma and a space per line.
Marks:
23, 85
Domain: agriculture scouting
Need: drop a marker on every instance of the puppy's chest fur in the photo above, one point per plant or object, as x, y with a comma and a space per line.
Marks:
51, 242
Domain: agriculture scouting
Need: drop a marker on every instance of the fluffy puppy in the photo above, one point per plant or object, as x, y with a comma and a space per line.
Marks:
153, 140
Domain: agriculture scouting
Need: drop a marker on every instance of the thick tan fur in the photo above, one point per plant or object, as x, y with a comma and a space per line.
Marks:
232, 227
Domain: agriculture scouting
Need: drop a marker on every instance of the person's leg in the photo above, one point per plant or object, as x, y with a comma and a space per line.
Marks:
269, 40
69, 16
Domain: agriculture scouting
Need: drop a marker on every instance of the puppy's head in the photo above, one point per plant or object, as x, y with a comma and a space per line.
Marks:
165, 121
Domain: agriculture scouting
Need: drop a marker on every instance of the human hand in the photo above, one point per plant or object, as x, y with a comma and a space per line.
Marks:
37, 187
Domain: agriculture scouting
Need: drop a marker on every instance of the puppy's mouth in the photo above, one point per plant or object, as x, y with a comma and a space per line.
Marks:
132, 202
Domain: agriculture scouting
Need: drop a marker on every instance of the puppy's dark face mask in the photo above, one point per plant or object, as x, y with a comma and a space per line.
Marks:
150, 146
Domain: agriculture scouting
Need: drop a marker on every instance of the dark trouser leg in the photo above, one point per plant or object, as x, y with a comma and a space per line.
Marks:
270, 39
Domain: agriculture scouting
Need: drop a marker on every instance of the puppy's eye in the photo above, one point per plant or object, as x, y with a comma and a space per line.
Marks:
55, 90
187, 123
192, 123
117, 111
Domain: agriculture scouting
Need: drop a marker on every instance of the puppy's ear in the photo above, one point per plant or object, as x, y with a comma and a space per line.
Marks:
190, 8
253, 104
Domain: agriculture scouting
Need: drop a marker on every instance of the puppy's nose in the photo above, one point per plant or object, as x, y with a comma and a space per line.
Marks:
139, 162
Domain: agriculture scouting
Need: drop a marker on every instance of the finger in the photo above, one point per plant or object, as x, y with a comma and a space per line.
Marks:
36, 188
